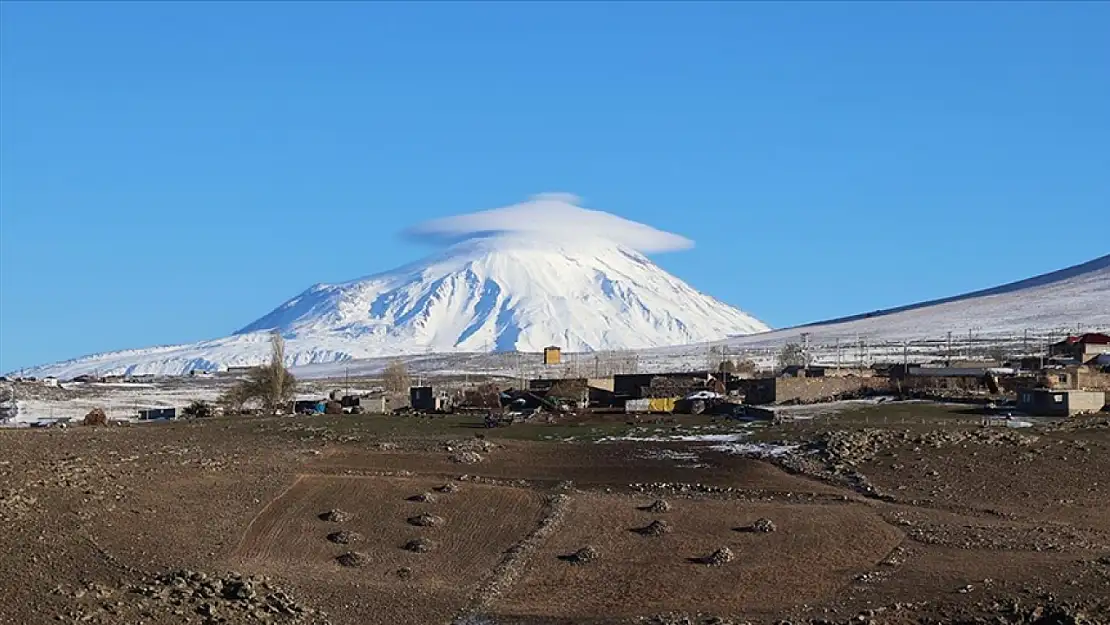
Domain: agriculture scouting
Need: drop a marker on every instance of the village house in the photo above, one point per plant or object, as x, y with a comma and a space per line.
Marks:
1083, 348
1042, 402
552, 355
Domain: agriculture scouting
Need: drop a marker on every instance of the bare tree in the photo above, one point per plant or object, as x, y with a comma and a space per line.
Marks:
272, 386
395, 378
792, 355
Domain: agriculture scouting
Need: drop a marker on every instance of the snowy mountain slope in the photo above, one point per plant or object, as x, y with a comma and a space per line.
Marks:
507, 291
1063, 301
1055, 303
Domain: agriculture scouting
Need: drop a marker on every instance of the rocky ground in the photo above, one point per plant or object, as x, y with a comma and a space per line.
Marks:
141, 524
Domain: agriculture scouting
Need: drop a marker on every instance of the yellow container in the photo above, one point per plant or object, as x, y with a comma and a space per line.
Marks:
661, 404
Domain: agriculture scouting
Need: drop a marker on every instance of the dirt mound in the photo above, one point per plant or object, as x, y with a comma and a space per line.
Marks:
423, 498
95, 417
420, 545
449, 487
761, 526
655, 528
719, 557
335, 515
658, 507
344, 537
426, 520
585, 555
353, 559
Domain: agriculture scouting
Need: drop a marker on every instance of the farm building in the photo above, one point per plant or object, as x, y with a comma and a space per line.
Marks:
808, 390
1043, 402
1083, 348
150, 414
424, 398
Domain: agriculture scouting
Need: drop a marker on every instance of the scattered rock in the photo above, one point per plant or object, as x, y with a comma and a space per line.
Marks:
426, 520
658, 507
344, 537
404, 573
466, 457
423, 498
655, 528
353, 559
168, 597
336, 515
449, 487
420, 545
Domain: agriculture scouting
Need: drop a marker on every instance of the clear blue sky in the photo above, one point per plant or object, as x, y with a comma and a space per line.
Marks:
171, 171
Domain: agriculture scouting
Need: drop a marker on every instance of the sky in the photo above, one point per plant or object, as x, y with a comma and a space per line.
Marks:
171, 171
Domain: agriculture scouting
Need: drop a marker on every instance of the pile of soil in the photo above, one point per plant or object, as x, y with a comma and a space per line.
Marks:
423, 498
96, 416
426, 520
336, 515
655, 528
344, 537
353, 559
585, 555
420, 545
719, 557
658, 507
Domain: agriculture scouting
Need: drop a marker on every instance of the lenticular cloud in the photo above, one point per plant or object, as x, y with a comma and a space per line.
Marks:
551, 215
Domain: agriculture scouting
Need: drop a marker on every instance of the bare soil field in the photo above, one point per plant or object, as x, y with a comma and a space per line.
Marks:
816, 549
893, 514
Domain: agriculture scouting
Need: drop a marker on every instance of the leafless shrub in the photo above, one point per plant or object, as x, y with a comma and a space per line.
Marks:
396, 378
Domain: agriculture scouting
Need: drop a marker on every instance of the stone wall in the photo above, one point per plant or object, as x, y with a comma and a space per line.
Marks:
811, 390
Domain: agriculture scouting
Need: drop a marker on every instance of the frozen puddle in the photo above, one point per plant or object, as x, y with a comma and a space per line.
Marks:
758, 450
679, 438
731, 443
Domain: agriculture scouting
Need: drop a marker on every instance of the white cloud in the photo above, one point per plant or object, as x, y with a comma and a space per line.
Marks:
551, 215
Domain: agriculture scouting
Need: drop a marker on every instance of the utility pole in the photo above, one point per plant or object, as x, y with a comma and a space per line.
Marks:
948, 350
838, 354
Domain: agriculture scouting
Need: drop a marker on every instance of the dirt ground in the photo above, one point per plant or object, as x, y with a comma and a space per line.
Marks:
892, 514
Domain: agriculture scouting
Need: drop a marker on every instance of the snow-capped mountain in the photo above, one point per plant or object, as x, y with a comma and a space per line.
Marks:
501, 292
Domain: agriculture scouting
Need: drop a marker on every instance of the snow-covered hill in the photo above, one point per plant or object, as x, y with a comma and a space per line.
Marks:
537, 281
